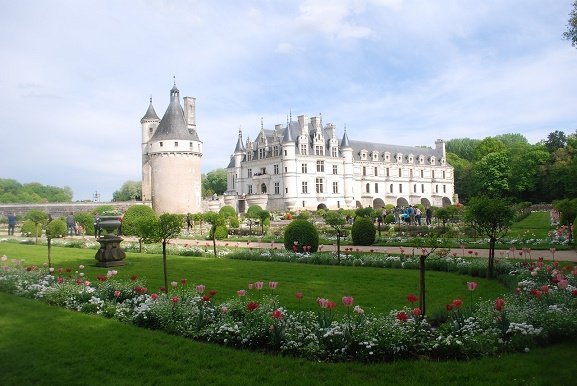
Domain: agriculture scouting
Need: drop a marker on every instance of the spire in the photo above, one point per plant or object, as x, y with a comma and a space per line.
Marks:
345, 141
239, 145
174, 93
321, 117
173, 124
150, 113
261, 124
287, 135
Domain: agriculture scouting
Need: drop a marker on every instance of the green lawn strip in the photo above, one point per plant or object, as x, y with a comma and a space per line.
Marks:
374, 289
536, 225
45, 345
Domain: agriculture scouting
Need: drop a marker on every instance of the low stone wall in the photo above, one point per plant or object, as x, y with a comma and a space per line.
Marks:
62, 209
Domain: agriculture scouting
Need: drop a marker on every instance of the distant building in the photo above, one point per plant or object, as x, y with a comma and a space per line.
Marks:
171, 158
303, 165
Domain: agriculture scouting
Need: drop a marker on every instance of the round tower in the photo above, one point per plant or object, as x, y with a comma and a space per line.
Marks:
175, 153
347, 154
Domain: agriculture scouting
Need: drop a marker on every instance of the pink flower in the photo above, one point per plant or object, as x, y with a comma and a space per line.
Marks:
272, 284
252, 306
348, 301
200, 288
116, 294
277, 314
499, 304
250, 286
358, 310
173, 283
175, 299
471, 285
258, 285
240, 293
299, 295
545, 289
154, 296
563, 284
417, 311
517, 290
87, 283
323, 302
60, 280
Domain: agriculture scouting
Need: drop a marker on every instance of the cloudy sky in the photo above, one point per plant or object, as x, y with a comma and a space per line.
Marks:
76, 76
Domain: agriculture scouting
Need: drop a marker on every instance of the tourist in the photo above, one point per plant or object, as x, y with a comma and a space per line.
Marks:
428, 215
11, 223
188, 222
418, 215
96, 226
71, 224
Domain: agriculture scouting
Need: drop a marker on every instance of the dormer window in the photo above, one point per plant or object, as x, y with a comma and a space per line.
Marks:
387, 157
399, 157
433, 160
410, 158
375, 156
363, 154
421, 159
443, 161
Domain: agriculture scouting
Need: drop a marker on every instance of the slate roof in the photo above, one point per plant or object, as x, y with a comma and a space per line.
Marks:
150, 113
172, 126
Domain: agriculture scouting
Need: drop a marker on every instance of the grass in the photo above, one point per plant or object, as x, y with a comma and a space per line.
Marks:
44, 345
537, 224
376, 289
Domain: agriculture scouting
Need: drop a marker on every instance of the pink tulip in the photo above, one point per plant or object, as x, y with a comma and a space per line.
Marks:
348, 301
241, 292
173, 283
250, 286
417, 311
358, 310
471, 285
258, 285
272, 284
299, 295
116, 294
277, 314
563, 284
200, 288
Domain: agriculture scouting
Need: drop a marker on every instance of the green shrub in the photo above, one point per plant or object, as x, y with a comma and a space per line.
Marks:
28, 229
303, 233
234, 223
389, 219
363, 231
228, 212
86, 220
303, 215
221, 232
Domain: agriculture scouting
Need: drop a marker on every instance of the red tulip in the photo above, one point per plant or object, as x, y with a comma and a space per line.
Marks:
499, 304
411, 298
299, 295
457, 303
252, 306
277, 314
402, 316
174, 299
417, 311
348, 301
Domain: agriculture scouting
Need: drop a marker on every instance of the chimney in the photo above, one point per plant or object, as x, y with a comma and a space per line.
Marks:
190, 112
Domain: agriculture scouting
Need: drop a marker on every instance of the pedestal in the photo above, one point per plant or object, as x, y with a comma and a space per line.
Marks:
110, 253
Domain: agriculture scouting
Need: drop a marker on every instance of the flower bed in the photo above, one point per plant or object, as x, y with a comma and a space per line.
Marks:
542, 309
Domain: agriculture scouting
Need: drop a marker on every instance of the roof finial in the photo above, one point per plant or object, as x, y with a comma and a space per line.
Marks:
321, 115
291, 115
174, 80
150, 98
240, 131
261, 124
345, 128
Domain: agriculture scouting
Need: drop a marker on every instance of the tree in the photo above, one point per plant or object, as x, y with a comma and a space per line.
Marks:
555, 140
338, 222
168, 227
252, 214
463, 173
487, 146
38, 218
367, 212
491, 217
568, 210
571, 33
130, 191
13, 191
463, 147
55, 229
140, 221
263, 216
215, 220
492, 174
214, 182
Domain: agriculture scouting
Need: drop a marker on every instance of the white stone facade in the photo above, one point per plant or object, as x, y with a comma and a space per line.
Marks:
304, 166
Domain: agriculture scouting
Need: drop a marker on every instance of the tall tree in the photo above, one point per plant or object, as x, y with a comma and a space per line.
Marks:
555, 140
492, 174
571, 33
463, 147
487, 146
214, 182
490, 217
130, 191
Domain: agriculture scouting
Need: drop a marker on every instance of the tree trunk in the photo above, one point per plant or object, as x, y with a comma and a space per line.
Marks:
422, 302
164, 265
49, 245
492, 241
214, 244
140, 245
339, 247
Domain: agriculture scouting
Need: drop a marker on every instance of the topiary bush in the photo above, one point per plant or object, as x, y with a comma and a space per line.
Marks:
221, 232
303, 233
234, 223
363, 231
29, 229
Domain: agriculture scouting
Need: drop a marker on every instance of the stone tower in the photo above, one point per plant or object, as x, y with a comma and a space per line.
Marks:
171, 158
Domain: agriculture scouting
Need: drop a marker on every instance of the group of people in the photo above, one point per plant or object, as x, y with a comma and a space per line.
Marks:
413, 215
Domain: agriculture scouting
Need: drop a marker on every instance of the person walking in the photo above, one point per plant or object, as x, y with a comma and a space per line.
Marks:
71, 224
428, 215
11, 223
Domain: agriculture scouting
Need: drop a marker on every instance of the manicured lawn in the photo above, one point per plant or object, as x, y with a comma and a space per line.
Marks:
536, 225
375, 289
44, 345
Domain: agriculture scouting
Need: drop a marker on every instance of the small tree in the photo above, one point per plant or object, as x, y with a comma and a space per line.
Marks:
168, 227
568, 210
252, 214
39, 218
263, 216
363, 231
215, 220
443, 214
491, 217
54, 229
338, 222
139, 221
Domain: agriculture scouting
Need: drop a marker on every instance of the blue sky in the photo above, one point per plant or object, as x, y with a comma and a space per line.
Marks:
76, 76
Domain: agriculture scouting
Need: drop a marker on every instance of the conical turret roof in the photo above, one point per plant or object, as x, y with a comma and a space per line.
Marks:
345, 141
239, 145
150, 113
172, 125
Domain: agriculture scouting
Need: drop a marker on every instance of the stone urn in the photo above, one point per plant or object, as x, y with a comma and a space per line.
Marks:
110, 253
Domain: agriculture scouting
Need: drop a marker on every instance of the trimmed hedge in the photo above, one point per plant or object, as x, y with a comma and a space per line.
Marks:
303, 233
363, 231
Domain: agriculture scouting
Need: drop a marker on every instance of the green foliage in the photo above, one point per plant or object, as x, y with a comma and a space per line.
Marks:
365, 212
304, 215
389, 219
363, 231
227, 212
214, 182
300, 233
169, 226
29, 228
56, 229
462, 147
140, 221
571, 33
487, 146
105, 209
234, 222
492, 173
221, 232
11, 191
568, 210
130, 191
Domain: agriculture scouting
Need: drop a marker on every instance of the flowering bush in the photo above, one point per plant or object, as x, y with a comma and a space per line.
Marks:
543, 308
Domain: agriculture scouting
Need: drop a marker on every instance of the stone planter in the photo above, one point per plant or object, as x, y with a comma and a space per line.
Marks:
110, 253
